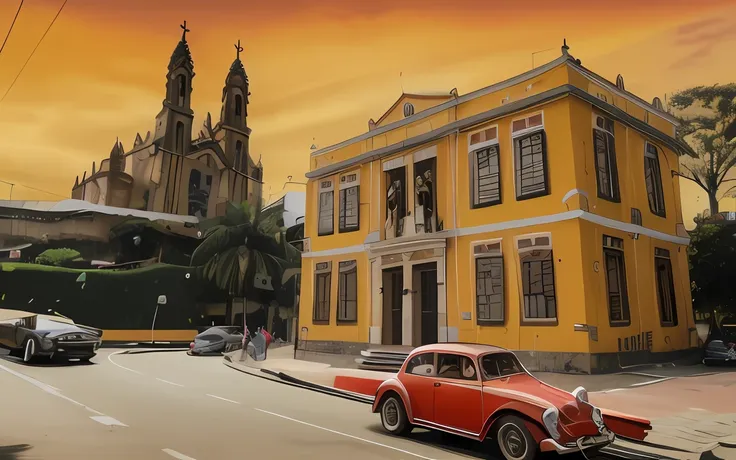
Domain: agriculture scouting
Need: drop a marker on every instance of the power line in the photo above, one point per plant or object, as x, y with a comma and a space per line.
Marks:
11, 26
34, 50
15, 184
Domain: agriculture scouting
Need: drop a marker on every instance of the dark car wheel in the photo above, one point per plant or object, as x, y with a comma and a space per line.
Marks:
393, 416
514, 439
29, 349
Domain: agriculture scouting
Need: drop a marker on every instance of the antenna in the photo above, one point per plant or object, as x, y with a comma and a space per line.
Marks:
537, 52
401, 81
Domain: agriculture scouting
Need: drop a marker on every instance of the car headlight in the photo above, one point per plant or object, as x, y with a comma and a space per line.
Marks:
580, 394
46, 343
597, 417
550, 418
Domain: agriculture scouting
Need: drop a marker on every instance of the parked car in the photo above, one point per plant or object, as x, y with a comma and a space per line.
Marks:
217, 340
480, 391
720, 346
29, 336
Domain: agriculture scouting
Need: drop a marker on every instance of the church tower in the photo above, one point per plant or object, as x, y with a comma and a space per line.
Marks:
234, 114
174, 122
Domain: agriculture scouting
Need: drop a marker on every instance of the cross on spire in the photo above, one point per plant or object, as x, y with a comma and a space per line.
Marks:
238, 49
184, 32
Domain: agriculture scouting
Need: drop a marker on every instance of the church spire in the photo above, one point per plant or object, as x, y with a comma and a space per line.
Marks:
182, 57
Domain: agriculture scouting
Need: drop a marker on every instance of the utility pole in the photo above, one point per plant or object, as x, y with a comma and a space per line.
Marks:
11, 188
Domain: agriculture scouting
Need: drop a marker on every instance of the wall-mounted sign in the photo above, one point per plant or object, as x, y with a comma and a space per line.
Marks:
638, 342
467, 315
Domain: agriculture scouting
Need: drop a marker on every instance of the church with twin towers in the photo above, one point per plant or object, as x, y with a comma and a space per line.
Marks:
169, 170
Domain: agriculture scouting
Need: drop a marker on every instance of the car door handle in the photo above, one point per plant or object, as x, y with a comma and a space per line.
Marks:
436, 384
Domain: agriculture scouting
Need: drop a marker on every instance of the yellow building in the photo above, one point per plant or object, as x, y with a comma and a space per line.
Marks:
541, 214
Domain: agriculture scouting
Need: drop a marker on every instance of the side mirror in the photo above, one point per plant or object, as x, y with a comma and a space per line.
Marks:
162, 300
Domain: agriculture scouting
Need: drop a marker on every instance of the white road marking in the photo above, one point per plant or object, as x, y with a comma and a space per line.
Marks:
346, 435
176, 454
652, 381
696, 408
47, 388
170, 383
109, 421
609, 391
109, 358
224, 399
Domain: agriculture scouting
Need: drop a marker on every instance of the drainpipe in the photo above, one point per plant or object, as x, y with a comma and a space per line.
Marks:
453, 164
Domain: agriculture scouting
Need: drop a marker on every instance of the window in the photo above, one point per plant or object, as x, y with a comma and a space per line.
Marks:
349, 214
456, 367
179, 148
635, 216
530, 157
618, 300
484, 163
421, 364
653, 179
489, 293
665, 287
326, 223
497, 365
425, 191
604, 146
322, 290
347, 292
238, 155
395, 200
538, 279
238, 108
182, 84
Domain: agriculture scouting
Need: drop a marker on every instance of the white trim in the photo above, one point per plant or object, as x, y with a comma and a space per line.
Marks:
355, 183
425, 154
572, 193
329, 188
596, 116
521, 223
474, 244
480, 145
394, 163
533, 237
528, 129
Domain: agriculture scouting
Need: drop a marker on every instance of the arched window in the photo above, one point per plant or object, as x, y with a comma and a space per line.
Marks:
179, 137
238, 154
182, 79
238, 108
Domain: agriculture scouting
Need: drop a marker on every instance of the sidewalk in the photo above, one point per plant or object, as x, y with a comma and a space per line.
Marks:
690, 414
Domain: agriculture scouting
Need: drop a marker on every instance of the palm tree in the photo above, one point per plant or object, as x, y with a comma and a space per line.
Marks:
245, 254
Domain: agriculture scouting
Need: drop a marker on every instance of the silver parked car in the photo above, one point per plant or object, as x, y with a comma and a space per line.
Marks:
217, 340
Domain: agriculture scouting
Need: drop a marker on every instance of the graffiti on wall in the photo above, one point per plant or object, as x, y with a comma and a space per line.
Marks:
637, 342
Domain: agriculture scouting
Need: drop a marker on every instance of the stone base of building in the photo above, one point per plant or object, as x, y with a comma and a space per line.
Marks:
343, 354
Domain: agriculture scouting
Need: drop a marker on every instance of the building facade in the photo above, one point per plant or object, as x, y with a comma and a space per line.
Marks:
540, 214
170, 172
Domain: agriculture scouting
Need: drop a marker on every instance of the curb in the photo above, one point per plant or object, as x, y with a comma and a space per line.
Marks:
286, 379
165, 350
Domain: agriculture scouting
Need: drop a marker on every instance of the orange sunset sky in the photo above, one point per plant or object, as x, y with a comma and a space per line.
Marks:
318, 69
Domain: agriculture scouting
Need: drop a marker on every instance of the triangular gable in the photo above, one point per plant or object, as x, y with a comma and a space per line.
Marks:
419, 102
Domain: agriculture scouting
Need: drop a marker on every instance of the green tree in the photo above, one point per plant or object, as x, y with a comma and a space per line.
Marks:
57, 257
245, 253
710, 131
712, 258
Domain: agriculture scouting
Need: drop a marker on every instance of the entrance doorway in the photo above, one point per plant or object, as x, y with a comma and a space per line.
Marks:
424, 280
393, 295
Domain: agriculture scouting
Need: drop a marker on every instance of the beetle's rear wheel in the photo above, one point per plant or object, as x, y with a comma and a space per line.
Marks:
393, 416
514, 439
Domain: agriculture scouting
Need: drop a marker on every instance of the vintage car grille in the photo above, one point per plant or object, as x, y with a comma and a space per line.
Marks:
77, 338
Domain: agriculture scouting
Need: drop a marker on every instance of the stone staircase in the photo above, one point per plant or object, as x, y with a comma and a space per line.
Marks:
384, 360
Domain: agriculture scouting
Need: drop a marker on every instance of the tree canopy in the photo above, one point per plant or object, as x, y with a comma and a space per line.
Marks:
712, 256
711, 132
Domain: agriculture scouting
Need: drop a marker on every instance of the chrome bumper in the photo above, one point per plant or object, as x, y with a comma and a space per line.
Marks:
604, 439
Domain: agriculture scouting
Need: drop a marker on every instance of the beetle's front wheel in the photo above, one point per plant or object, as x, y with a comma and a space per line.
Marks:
514, 439
393, 416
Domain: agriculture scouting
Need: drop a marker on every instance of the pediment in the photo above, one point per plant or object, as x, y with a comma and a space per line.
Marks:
409, 104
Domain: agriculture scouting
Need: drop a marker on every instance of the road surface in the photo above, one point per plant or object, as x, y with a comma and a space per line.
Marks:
166, 405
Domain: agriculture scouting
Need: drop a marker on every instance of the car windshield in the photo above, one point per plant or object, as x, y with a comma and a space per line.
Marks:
48, 325
495, 365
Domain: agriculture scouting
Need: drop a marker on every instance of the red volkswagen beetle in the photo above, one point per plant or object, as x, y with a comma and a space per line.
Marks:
480, 391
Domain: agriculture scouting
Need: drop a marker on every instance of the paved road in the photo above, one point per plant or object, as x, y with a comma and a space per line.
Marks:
169, 405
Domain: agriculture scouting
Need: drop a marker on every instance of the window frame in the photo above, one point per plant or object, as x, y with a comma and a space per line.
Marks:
342, 202
322, 269
473, 361
664, 254
325, 189
489, 254
522, 370
547, 321
610, 249
346, 269
614, 194
388, 167
474, 149
516, 138
649, 159
434, 364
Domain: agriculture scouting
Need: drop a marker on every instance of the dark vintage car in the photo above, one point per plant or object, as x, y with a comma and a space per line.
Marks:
720, 347
29, 336
217, 340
